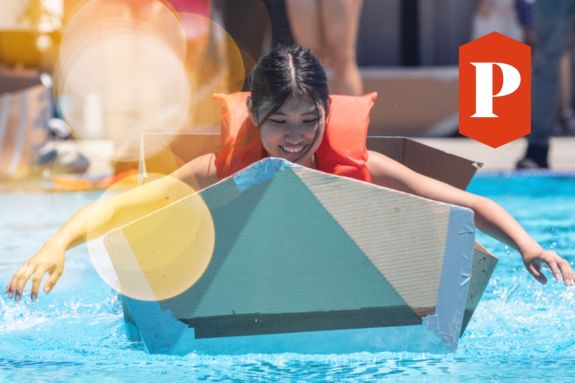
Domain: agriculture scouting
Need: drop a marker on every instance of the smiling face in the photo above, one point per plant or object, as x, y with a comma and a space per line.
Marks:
291, 131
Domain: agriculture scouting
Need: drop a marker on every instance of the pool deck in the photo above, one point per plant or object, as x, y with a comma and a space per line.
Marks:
562, 152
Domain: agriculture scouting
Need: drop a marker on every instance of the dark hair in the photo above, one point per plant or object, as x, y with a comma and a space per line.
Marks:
287, 71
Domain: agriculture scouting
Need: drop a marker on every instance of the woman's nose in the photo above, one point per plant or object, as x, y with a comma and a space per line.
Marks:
293, 135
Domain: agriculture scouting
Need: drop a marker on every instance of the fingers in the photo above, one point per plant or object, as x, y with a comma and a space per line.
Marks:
552, 262
22, 279
19, 280
36, 280
566, 271
52, 280
36, 268
535, 270
560, 268
12, 285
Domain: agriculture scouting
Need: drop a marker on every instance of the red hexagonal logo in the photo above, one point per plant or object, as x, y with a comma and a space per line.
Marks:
495, 89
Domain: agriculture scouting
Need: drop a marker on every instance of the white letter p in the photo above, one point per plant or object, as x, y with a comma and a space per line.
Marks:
484, 86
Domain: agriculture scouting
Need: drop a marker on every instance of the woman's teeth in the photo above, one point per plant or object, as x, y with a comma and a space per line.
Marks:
292, 149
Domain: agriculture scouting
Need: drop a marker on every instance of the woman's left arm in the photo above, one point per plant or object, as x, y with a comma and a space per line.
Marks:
490, 218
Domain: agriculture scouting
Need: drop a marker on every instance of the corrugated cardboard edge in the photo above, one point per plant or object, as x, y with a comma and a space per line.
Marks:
455, 278
483, 265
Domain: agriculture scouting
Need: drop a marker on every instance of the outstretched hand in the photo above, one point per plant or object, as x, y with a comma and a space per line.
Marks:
48, 260
561, 269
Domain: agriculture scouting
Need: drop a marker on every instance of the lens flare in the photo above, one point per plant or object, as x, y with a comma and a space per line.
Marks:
121, 72
163, 242
215, 65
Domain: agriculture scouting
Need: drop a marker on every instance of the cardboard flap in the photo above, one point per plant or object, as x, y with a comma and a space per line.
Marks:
431, 162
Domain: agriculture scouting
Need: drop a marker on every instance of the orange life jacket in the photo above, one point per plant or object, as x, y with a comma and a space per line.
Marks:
342, 152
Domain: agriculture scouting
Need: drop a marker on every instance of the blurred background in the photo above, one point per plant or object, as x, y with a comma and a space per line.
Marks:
82, 80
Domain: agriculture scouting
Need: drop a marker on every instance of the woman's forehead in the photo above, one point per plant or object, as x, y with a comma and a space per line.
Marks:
297, 105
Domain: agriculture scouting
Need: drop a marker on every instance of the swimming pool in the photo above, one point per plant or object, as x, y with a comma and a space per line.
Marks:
520, 331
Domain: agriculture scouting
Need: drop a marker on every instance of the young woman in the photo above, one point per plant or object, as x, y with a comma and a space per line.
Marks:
289, 104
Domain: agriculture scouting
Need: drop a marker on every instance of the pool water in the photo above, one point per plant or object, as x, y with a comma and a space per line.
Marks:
521, 331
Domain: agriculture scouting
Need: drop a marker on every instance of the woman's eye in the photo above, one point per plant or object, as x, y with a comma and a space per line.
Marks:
277, 121
310, 121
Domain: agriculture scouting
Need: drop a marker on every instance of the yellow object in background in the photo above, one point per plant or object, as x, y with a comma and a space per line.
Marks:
30, 32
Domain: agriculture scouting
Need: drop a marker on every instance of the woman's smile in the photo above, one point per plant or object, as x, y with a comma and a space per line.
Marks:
292, 153
292, 149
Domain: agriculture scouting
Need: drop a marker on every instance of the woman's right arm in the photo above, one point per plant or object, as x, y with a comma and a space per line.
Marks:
103, 216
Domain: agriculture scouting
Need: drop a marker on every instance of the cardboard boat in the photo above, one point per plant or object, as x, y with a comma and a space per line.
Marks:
310, 262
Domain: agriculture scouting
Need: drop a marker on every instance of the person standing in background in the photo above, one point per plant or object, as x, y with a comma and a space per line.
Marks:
330, 29
254, 25
524, 9
495, 15
552, 21
524, 13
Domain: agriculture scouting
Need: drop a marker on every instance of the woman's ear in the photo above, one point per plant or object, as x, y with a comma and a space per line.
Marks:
251, 111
